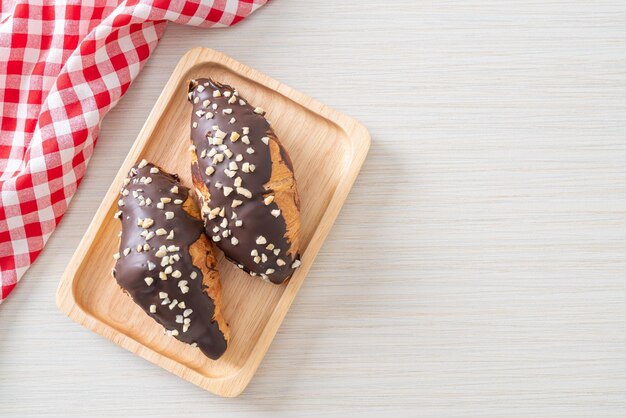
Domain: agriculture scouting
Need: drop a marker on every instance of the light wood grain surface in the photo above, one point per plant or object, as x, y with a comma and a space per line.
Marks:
327, 150
479, 265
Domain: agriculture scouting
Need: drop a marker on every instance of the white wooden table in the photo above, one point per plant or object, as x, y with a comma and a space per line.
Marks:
479, 265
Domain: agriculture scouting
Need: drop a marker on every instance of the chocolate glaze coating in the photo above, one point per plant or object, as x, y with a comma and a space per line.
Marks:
228, 135
179, 303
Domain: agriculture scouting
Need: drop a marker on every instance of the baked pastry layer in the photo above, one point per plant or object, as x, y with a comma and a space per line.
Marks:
245, 183
166, 264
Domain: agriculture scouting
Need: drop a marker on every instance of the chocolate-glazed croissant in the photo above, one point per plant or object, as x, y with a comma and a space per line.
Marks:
244, 181
166, 263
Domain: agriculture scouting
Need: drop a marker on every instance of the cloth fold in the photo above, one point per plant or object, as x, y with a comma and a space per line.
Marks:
63, 66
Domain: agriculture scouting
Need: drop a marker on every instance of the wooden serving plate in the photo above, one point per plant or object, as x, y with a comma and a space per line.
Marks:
327, 149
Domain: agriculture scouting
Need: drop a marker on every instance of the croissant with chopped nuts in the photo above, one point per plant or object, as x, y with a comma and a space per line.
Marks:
244, 181
166, 263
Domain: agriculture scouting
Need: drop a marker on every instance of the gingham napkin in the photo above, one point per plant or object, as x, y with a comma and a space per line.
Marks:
63, 66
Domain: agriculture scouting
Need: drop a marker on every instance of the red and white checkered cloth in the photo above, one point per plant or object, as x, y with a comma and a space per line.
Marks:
63, 66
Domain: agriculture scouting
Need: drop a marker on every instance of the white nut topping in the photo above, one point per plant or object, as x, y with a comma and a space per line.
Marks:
244, 192
220, 134
275, 213
152, 308
296, 264
261, 240
143, 163
234, 241
169, 215
269, 199
259, 110
161, 231
236, 203
265, 140
246, 130
149, 280
227, 190
250, 150
280, 262
209, 171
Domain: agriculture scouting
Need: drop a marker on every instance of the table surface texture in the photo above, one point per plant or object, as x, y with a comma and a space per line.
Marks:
478, 267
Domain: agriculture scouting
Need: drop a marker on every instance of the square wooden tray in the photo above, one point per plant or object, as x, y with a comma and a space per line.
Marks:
327, 149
